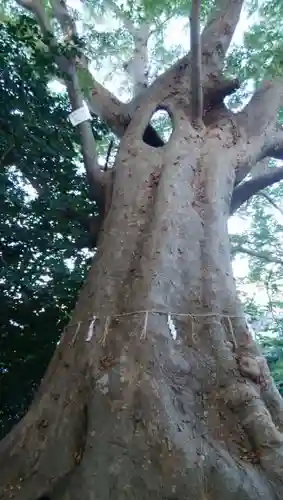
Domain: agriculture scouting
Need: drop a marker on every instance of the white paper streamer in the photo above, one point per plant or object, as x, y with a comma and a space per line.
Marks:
172, 327
143, 333
91, 329
80, 115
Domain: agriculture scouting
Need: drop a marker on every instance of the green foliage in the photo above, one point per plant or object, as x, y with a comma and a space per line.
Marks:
261, 55
44, 205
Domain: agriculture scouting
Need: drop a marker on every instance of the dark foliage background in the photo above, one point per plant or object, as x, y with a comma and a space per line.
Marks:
44, 209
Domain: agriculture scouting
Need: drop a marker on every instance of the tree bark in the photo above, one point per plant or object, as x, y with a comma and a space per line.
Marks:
125, 410
157, 390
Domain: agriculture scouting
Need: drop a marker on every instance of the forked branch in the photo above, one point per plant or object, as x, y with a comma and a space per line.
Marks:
215, 40
196, 80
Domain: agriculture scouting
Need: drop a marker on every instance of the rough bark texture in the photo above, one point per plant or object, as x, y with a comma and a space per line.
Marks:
125, 410
131, 412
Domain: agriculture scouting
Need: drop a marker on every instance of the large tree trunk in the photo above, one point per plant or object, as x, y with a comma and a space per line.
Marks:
127, 411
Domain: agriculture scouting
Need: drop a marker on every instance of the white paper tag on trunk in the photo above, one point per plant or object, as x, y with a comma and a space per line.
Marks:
80, 115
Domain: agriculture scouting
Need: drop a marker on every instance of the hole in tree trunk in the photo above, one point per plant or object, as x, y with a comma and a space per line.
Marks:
159, 129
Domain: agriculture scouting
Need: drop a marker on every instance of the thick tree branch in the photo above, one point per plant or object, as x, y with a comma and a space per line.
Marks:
68, 68
214, 96
243, 192
93, 170
274, 147
258, 255
37, 9
260, 168
196, 86
100, 182
215, 41
258, 118
60, 12
220, 28
246, 166
259, 122
101, 102
118, 115
255, 167
110, 110
139, 64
